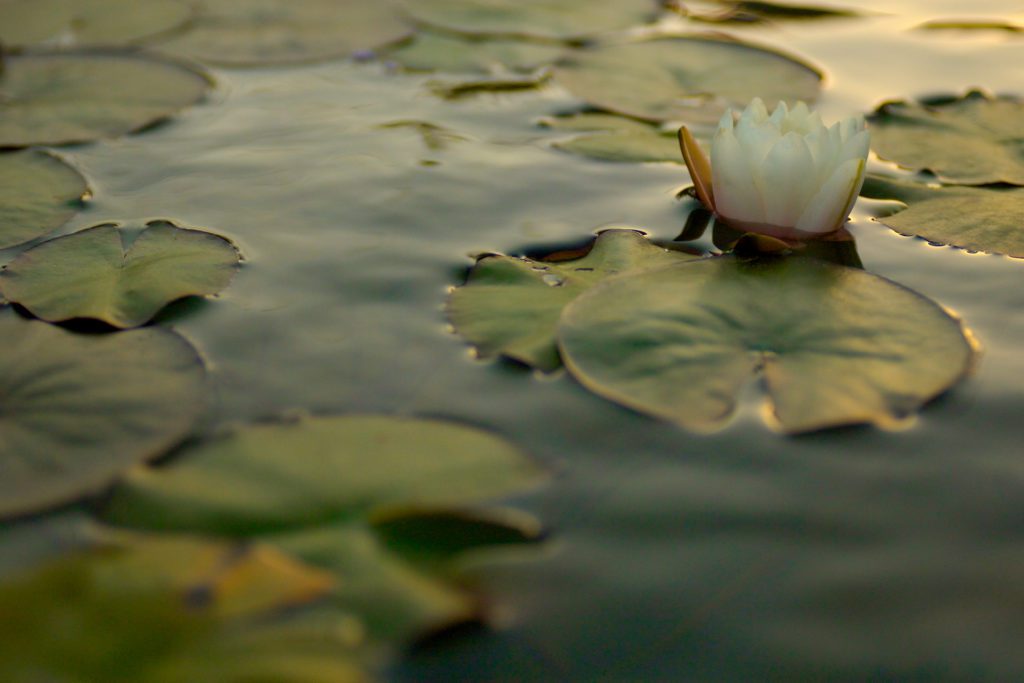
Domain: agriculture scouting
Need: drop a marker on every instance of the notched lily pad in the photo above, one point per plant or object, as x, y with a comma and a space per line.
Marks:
64, 97
38, 194
688, 78
76, 410
435, 52
971, 140
831, 345
548, 19
88, 23
510, 305
268, 32
93, 274
989, 219
614, 138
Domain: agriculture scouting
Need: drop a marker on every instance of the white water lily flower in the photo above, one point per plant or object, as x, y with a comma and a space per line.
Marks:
784, 175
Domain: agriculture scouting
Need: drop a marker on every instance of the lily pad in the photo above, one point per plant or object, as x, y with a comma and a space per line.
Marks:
434, 52
510, 305
690, 78
38, 194
267, 32
88, 23
831, 345
989, 219
971, 140
550, 19
59, 98
92, 274
751, 11
614, 138
77, 410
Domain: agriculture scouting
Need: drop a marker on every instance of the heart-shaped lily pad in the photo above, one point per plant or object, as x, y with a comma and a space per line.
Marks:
91, 274
550, 19
972, 140
511, 305
989, 219
53, 99
76, 410
38, 193
832, 345
691, 78
265, 32
615, 138
86, 23
434, 52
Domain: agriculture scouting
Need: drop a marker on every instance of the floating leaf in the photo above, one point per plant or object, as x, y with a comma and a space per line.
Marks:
511, 305
972, 140
832, 345
495, 84
87, 23
614, 138
92, 274
750, 11
969, 25
434, 52
53, 99
265, 32
689, 78
989, 219
38, 194
550, 19
78, 409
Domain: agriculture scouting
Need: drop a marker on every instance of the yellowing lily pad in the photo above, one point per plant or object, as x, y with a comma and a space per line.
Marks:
989, 219
831, 345
266, 32
59, 98
972, 140
614, 138
38, 194
435, 52
510, 305
92, 274
550, 19
87, 23
77, 410
691, 78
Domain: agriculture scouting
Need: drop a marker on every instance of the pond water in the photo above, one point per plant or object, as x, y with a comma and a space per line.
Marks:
849, 554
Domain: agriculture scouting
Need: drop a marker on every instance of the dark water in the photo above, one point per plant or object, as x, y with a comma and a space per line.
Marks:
849, 555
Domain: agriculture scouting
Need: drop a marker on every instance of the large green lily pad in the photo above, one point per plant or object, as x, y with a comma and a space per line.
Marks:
550, 19
265, 32
510, 305
59, 98
832, 345
690, 78
76, 410
85, 23
92, 274
435, 52
614, 138
972, 140
38, 194
989, 219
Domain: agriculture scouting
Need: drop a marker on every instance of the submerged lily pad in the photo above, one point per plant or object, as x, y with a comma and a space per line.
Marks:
972, 140
92, 274
692, 78
266, 32
989, 219
434, 52
615, 138
832, 345
511, 305
54, 99
38, 194
76, 410
550, 19
86, 23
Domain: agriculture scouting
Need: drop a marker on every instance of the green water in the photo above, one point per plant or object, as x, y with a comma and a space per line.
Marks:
846, 555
